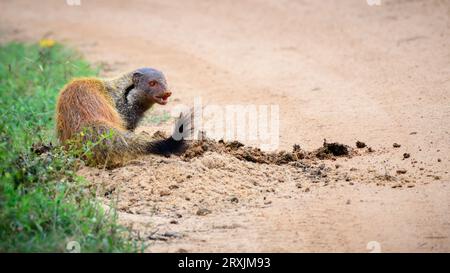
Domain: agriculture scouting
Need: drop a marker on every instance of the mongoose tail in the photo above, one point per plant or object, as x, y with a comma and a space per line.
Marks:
177, 142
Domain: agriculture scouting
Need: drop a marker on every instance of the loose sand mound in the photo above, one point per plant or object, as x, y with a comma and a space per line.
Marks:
167, 201
212, 176
197, 182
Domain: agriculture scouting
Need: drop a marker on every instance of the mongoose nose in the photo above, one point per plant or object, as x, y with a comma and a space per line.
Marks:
167, 94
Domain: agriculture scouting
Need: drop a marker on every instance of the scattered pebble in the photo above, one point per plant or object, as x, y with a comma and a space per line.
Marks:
401, 171
164, 193
203, 212
172, 234
360, 144
234, 200
396, 145
406, 155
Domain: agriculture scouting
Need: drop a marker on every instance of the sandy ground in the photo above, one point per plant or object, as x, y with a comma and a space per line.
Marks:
340, 70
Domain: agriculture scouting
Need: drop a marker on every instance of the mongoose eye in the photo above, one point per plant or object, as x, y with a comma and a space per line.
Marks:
152, 83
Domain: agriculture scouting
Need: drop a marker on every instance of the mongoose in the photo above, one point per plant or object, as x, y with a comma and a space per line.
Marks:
105, 112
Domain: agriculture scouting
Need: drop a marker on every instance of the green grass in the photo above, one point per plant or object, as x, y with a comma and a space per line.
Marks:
156, 118
43, 203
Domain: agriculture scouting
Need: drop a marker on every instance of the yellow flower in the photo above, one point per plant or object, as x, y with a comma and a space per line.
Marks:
46, 43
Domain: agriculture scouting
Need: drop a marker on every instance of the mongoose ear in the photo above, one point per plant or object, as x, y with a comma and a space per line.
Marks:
136, 77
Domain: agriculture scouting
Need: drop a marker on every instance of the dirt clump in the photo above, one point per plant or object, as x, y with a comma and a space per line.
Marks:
331, 150
241, 152
256, 155
360, 144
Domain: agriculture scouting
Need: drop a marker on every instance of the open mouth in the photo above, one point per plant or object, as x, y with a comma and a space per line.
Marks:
163, 99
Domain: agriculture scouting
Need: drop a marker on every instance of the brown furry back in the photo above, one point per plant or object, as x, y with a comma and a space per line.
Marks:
84, 102
86, 113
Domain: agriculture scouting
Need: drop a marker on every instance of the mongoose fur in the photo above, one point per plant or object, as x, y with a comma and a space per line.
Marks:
88, 109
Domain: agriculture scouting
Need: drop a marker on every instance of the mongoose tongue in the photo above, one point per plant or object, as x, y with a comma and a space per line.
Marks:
162, 99
166, 95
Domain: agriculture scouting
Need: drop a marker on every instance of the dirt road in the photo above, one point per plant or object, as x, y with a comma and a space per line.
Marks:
340, 70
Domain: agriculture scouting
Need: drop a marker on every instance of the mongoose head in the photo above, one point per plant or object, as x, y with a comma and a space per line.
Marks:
152, 84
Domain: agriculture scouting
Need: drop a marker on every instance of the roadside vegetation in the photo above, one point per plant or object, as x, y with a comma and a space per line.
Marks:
44, 205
